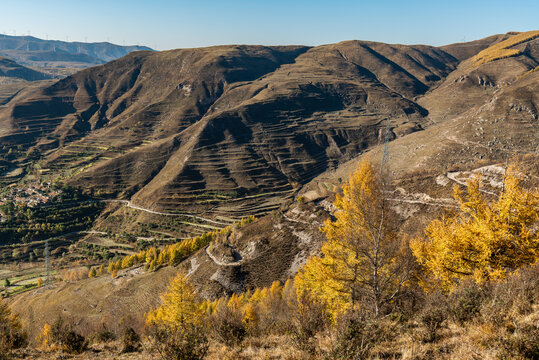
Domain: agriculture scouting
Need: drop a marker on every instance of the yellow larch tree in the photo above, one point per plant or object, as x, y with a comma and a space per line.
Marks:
485, 238
180, 305
363, 262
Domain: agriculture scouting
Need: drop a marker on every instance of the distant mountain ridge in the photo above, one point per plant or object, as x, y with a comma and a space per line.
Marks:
32, 51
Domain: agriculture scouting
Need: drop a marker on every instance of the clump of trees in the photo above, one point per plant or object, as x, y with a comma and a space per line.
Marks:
484, 239
68, 212
155, 257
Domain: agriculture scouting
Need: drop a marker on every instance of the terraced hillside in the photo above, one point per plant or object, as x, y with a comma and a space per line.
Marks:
186, 141
481, 114
230, 130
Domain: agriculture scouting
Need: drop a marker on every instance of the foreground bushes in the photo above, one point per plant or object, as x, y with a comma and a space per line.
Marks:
497, 318
186, 342
11, 334
63, 335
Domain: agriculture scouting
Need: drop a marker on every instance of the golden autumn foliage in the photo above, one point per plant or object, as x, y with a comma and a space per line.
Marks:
75, 274
180, 305
272, 309
363, 261
154, 257
484, 239
502, 49
45, 337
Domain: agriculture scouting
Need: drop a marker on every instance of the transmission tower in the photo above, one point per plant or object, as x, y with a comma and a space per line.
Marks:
47, 260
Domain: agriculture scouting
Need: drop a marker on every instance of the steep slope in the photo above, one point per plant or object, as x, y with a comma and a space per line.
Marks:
92, 303
477, 82
29, 50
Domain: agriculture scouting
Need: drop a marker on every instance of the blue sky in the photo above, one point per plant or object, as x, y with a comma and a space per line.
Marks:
166, 24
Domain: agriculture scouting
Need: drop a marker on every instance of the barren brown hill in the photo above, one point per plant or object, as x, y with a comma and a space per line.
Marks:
9, 69
230, 130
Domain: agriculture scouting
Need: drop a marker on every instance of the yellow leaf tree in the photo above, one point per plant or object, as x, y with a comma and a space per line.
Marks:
485, 238
180, 305
363, 262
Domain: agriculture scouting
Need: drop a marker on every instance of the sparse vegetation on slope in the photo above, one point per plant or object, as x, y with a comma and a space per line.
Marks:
425, 321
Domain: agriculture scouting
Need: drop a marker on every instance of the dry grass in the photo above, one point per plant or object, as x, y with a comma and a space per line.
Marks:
502, 49
259, 348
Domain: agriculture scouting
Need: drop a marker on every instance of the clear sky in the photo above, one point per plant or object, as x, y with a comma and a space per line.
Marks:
167, 24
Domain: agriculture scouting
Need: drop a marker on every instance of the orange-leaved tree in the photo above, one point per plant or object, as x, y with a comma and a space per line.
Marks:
485, 238
363, 262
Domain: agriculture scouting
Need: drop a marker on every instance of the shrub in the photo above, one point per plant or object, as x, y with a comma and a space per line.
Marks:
309, 318
188, 342
11, 334
432, 318
104, 335
465, 302
356, 336
69, 340
130, 341
227, 324
516, 295
524, 343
